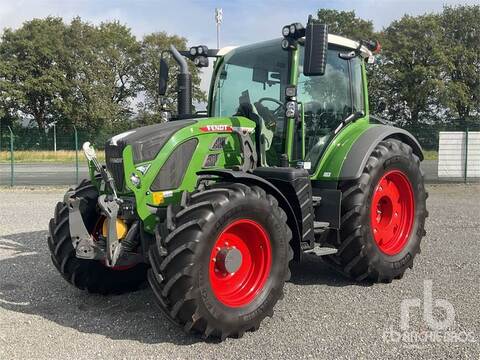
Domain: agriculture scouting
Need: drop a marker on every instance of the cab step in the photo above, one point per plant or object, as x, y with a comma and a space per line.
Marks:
316, 200
322, 250
320, 226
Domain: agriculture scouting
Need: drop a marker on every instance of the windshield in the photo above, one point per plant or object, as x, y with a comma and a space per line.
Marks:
251, 82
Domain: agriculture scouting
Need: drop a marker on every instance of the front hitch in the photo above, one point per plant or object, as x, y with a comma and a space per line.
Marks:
113, 248
82, 241
84, 244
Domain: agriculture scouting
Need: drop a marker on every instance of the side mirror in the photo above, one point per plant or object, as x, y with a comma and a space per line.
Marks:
163, 77
316, 45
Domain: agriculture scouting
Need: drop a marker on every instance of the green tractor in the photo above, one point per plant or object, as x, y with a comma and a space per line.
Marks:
211, 208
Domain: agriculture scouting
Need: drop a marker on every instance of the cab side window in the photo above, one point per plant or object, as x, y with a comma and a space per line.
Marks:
357, 84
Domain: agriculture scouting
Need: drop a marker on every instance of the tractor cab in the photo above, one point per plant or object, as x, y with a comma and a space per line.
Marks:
297, 108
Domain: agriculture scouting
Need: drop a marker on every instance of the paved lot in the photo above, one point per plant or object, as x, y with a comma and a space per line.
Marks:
43, 173
323, 315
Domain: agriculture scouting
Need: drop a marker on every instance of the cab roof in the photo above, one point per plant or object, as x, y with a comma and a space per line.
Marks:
332, 39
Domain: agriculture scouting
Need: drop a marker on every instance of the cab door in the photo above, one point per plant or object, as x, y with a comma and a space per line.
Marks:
327, 100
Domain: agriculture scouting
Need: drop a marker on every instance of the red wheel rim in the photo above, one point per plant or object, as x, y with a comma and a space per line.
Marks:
240, 263
392, 212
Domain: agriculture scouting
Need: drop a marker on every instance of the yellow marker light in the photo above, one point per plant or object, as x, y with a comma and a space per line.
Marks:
158, 198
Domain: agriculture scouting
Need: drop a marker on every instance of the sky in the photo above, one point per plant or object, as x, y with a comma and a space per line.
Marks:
245, 21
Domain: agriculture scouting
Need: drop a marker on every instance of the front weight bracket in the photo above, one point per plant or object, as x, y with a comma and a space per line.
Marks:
82, 242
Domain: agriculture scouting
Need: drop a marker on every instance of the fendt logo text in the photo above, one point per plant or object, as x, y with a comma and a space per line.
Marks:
216, 128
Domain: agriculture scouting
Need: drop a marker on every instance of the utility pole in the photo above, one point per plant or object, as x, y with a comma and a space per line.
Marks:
218, 21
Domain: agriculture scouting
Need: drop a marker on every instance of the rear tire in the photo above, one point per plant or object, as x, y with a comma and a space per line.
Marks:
184, 263
84, 274
380, 234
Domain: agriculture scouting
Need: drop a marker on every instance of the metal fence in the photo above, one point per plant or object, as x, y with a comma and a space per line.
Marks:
28, 157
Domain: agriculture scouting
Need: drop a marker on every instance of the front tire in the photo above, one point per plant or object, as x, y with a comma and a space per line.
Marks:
90, 275
222, 268
383, 216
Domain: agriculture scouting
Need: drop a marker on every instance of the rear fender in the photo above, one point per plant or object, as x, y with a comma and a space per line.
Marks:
360, 151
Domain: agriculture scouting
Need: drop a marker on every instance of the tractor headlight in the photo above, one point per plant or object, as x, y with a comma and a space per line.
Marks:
292, 29
286, 31
291, 105
135, 180
201, 61
291, 91
291, 109
289, 113
285, 44
193, 51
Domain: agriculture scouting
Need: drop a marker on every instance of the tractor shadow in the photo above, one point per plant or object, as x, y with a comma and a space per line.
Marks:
312, 270
30, 284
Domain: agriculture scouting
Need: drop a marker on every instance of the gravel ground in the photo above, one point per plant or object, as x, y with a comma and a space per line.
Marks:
323, 315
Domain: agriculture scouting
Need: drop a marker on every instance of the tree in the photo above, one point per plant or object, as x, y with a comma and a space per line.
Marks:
32, 74
120, 58
413, 57
346, 23
73, 74
151, 50
461, 73
102, 65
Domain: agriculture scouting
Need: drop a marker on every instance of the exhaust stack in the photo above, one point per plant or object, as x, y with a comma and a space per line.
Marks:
184, 85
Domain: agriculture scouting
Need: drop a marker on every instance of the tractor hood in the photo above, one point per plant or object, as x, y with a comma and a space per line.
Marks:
146, 141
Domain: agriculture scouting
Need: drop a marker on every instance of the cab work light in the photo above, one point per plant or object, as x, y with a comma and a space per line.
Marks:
199, 55
294, 31
291, 34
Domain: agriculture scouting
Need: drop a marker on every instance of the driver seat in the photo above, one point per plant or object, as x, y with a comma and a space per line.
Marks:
247, 110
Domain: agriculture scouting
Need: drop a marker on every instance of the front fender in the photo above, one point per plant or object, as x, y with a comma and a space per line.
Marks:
251, 179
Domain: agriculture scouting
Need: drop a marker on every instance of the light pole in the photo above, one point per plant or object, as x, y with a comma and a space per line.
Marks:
54, 137
218, 20
53, 124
